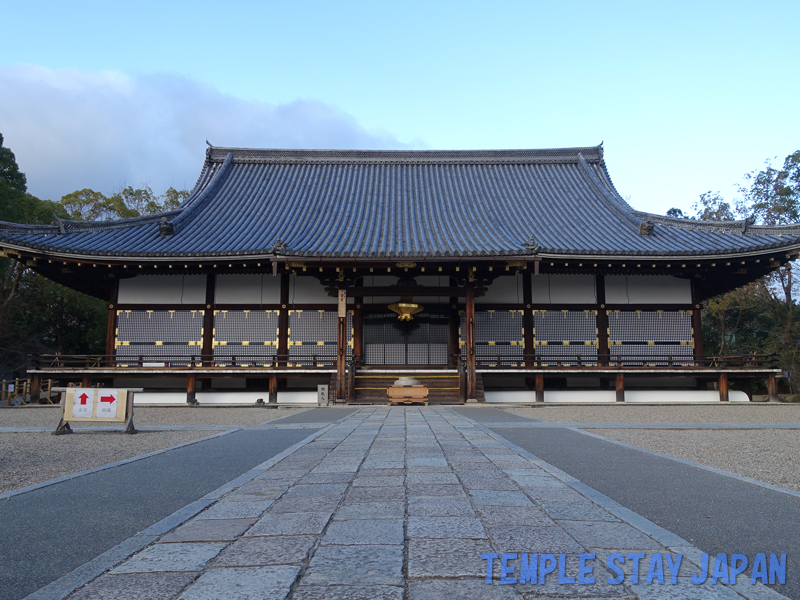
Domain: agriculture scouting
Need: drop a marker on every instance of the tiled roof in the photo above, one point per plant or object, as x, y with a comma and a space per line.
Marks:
402, 204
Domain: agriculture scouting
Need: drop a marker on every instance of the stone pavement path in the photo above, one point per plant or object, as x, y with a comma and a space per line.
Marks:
400, 503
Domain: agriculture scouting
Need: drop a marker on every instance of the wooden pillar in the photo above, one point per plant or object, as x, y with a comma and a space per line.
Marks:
539, 387
453, 346
620, 387
470, 343
191, 394
36, 388
273, 389
697, 326
208, 321
723, 387
358, 334
111, 325
283, 321
86, 382
527, 320
341, 345
603, 349
772, 388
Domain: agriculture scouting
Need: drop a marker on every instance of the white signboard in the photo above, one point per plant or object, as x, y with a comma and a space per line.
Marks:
83, 403
107, 404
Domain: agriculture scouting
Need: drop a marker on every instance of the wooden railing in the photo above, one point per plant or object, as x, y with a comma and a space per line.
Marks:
63, 362
629, 361
165, 361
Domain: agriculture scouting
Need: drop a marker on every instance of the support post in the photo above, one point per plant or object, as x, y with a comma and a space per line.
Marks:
111, 323
470, 340
273, 389
86, 382
36, 389
358, 334
603, 350
453, 347
723, 387
283, 321
341, 345
772, 388
208, 321
697, 326
539, 387
191, 394
620, 387
527, 319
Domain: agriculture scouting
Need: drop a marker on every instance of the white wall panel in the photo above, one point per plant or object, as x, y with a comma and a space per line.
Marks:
239, 289
308, 290
563, 289
257, 288
647, 289
163, 289
504, 290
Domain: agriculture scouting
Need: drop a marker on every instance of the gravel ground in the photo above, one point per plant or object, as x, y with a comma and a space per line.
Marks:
35, 457
637, 413
769, 455
28, 458
48, 416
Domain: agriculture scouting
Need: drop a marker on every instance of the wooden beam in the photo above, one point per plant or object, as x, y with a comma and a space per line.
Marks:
539, 387
283, 319
772, 388
273, 389
470, 343
191, 395
208, 320
341, 344
453, 346
620, 386
527, 320
602, 318
697, 323
111, 325
723, 387
358, 333
411, 290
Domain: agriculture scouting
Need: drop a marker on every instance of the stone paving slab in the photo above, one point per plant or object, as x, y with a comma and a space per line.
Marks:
398, 504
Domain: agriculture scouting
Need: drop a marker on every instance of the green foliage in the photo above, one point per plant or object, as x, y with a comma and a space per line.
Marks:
89, 205
37, 315
762, 316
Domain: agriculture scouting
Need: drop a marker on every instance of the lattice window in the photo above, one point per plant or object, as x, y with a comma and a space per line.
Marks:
423, 341
651, 337
498, 334
562, 336
313, 333
162, 337
245, 335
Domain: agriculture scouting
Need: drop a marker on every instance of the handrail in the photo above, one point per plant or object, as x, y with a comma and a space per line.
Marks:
290, 361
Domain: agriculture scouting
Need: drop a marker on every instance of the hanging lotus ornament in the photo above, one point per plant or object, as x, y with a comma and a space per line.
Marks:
406, 309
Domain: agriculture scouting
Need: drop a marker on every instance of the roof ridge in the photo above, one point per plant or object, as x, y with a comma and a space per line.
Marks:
737, 226
193, 204
276, 155
613, 199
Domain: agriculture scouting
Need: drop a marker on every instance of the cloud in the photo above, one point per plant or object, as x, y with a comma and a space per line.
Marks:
72, 130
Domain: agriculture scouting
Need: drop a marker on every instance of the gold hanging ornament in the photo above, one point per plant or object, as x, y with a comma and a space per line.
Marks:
406, 309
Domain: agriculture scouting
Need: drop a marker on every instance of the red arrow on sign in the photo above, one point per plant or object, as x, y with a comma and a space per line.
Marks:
83, 398
108, 399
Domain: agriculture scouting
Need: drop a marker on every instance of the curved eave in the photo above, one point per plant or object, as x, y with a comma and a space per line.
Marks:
791, 250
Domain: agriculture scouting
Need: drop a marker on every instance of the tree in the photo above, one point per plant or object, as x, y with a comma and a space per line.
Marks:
89, 205
762, 316
37, 315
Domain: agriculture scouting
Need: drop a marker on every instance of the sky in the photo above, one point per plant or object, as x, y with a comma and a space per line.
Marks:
687, 97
